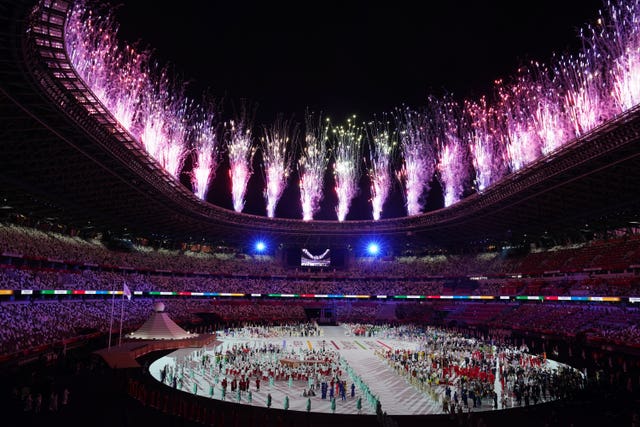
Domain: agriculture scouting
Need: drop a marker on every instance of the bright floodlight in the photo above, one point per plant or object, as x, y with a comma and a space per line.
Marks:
260, 246
373, 249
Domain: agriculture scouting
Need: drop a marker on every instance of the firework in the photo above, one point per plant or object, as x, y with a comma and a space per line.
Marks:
115, 74
206, 151
122, 80
91, 38
453, 155
165, 123
174, 147
486, 151
313, 163
277, 159
241, 151
584, 87
550, 121
617, 40
532, 115
134, 69
347, 169
518, 133
382, 143
154, 127
418, 157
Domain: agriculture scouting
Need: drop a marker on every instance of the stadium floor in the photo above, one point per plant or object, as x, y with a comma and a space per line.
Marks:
396, 394
98, 399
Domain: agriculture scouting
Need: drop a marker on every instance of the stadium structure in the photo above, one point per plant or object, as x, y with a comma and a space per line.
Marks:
75, 150
66, 160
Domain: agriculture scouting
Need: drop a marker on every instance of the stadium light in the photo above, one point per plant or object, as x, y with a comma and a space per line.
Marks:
373, 249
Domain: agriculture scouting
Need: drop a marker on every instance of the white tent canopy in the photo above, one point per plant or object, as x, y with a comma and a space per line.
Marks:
160, 327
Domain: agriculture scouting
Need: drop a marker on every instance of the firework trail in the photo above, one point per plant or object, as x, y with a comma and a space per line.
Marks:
116, 75
153, 129
453, 155
278, 150
382, 144
617, 38
165, 126
487, 154
418, 157
584, 84
90, 39
174, 148
518, 132
134, 68
241, 152
122, 79
550, 121
347, 169
313, 163
547, 106
206, 151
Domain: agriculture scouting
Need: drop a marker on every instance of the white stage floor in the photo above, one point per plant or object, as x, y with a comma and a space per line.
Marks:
397, 396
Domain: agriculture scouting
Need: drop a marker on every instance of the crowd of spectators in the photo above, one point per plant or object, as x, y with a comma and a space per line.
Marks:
25, 325
34, 243
265, 312
15, 278
38, 279
614, 324
615, 254
73, 263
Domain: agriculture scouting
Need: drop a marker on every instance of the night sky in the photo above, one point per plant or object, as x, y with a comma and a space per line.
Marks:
344, 58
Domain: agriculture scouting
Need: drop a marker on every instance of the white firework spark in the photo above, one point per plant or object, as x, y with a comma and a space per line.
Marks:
206, 151
313, 163
241, 151
347, 168
278, 150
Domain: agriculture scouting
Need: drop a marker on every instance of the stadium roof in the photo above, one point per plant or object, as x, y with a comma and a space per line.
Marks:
64, 157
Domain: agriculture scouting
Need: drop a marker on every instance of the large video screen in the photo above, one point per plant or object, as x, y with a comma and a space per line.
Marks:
308, 259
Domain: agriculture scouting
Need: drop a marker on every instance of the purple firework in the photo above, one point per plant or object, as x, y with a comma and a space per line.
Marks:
382, 144
453, 154
486, 149
418, 157
616, 38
